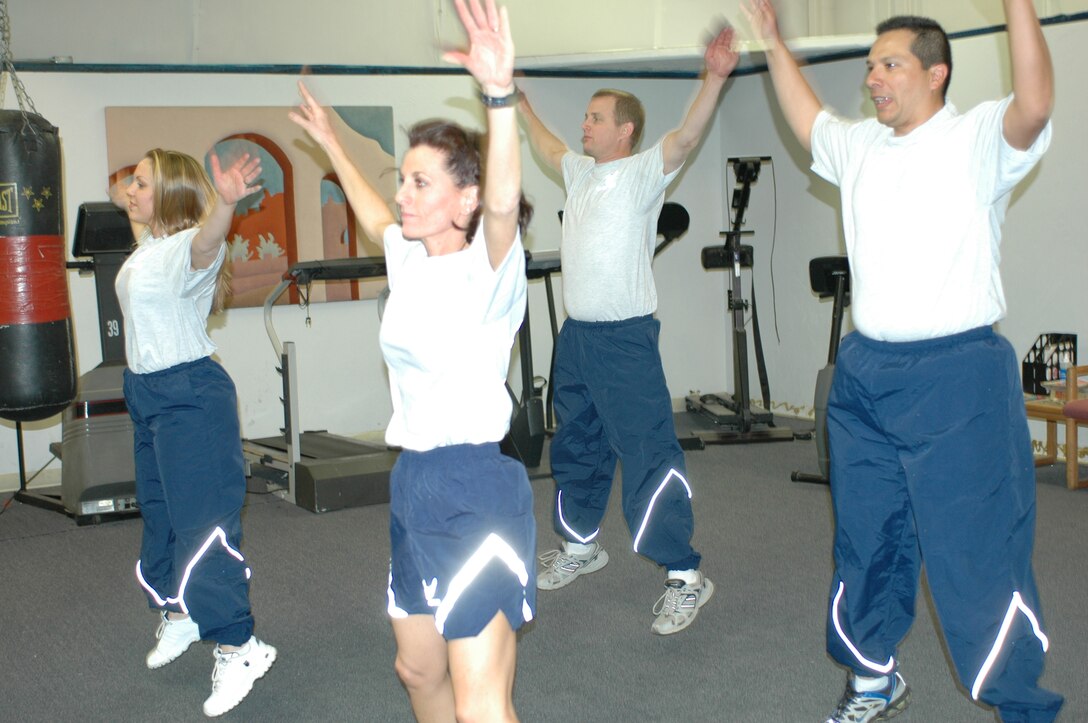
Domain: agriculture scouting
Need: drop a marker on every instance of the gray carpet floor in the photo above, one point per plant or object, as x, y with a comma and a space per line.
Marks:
74, 628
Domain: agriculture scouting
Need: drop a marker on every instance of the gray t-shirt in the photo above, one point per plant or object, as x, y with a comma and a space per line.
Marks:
609, 234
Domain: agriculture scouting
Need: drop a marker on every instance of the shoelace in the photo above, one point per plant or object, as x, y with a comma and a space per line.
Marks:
670, 600
222, 660
558, 559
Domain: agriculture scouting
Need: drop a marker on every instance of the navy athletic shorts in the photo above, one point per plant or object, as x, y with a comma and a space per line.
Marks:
463, 539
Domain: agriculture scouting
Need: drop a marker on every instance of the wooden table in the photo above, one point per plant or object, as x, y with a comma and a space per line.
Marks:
1049, 410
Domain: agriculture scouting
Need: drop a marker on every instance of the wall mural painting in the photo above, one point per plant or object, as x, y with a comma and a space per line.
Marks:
301, 213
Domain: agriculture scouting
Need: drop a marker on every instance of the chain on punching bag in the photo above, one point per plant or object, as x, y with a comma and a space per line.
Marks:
37, 367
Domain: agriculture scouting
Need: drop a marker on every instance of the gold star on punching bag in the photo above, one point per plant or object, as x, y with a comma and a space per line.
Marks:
46, 192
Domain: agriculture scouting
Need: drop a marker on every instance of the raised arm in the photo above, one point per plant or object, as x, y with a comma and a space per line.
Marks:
490, 59
795, 96
720, 59
544, 142
370, 208
232, 185
1032, 76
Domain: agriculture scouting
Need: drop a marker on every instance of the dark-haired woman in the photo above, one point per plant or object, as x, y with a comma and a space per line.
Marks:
462, 530
190, 475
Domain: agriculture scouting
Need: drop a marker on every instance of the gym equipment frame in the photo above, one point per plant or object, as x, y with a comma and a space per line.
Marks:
736, 419
319, 471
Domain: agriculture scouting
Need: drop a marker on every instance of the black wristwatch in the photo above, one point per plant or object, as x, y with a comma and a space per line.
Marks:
501, 101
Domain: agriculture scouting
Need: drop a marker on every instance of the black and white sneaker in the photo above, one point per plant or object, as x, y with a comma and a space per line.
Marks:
875, 705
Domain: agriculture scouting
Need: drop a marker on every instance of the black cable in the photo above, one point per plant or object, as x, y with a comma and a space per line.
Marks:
774, 239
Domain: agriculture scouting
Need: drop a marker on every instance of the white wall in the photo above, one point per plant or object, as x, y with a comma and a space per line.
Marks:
342, 380
414, 32
1045, 257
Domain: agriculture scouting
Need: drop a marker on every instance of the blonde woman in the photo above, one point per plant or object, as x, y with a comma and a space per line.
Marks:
190, 479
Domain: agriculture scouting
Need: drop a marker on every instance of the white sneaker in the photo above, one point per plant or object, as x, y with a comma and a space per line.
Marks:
562, 568
235, 673
677, 607
175, 637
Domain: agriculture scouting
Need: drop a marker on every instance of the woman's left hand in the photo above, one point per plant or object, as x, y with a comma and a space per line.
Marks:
233, 183
490, 56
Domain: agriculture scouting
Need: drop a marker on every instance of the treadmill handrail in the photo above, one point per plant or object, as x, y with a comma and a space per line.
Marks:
268, 302
305, 272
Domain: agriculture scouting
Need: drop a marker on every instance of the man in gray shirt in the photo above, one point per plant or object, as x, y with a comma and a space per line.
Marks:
611, 399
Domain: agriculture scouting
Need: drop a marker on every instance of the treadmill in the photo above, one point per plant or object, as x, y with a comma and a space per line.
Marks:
98, 471
317, 470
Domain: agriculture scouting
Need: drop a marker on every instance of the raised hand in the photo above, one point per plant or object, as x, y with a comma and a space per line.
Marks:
762, 19
313, 119
490, 55
721, 57
233, 183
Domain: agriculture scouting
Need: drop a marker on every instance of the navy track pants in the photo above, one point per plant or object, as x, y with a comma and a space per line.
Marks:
190, 484
611, 402
931, 462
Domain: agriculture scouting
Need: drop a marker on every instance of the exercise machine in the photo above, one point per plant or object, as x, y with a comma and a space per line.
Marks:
735, 418
529, 424
829, 276
98, 471
317, 470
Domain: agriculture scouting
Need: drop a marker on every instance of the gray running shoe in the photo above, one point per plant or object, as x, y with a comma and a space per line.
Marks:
677, 607
561, 569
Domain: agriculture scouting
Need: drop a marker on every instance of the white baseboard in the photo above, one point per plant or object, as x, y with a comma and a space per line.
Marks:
46, 478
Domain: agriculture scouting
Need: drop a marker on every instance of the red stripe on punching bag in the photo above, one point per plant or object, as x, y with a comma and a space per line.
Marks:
33, 287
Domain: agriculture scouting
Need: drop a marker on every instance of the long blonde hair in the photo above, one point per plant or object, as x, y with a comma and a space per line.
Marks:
184, 196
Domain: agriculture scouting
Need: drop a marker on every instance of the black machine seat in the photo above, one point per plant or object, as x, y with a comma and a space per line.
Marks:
824, 273
672, 223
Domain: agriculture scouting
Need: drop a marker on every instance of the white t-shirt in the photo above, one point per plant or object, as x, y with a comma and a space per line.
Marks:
166, 302
922, 217
609, 234
446, 336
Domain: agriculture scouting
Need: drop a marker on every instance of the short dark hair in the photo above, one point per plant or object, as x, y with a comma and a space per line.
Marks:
461, 148
930, 44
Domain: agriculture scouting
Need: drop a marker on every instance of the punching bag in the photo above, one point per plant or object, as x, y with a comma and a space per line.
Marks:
37, 367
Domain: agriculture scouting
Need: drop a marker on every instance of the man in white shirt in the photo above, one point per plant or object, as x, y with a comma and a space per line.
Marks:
931, 457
